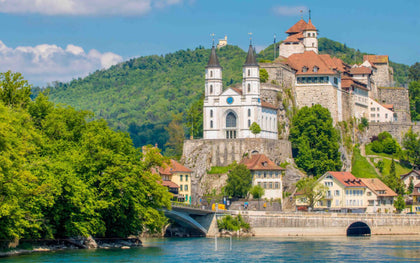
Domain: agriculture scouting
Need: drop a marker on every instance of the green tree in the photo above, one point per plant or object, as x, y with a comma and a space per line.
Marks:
410, 186
394, 181
176, 136
263, 75
194, 117
414, 72
414, 95
411, 143
315, 142
14, 89
257, 192
311, 190
255, 128
239, 181
399, 204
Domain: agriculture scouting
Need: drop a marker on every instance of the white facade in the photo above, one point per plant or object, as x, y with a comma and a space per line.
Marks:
378, 113
271, 181
228, 114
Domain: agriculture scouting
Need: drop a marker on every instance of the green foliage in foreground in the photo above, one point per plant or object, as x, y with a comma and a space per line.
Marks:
315, 141
239, 181
361, 167
232, 223
311, 190
414, 93
64, 176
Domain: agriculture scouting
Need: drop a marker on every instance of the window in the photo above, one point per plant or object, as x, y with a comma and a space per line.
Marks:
315, 69
337, 202
249, 87
386, 115
180, 177
211, 89
335, 80
265, 175
265, 185
337, 192
270, 185
180, 187
230, 120
186, 187
277, 185
211, 73
186, 178
249, 112
249, 72
372, 109
304, 69
249, 123
186, 198
211, 113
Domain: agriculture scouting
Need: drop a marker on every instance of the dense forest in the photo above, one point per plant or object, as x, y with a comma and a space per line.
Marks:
143, 95
63, 175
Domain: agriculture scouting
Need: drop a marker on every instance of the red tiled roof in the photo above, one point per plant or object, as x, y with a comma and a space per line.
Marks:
294, 38
376, 59
347, 179
310, 26
377, 185
360, 70
309, 59
237, 90
174, 166
265, 104
388, 106
260, 162
298, 27
348, 82
169, 184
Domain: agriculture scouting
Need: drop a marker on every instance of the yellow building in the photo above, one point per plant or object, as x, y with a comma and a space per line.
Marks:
379, 197
181, 176
416, 198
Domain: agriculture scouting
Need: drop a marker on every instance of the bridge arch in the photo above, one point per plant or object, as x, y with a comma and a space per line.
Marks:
358, 229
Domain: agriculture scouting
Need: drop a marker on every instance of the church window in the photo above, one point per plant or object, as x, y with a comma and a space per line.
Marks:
230, 120
249, 72
211, 124
211, 73
313, 44
249, 87
211, 89
249, 123
211, 113
249, 112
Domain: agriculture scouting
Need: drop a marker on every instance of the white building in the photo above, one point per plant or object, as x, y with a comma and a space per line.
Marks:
229, 113
381, 113
303, 36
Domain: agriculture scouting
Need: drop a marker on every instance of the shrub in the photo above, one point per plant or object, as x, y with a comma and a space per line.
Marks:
232, 223
377, 147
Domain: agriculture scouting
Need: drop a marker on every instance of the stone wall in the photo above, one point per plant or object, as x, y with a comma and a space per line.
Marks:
329, 224
384, 75
399, 98
280, 73
397, 130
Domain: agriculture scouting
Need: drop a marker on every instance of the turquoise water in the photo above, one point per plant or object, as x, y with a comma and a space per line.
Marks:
284, 249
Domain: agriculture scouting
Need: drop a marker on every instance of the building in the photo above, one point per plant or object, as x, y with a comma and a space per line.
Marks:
266, 174
175, 175
379, 197
229, 113
345, 193
302, 36
413, 176
416, 198
222, 42
381, 112
383, 73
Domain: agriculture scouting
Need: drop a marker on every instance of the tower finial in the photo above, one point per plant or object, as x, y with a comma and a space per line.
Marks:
301, 14
309, 14
212, 35
250, 38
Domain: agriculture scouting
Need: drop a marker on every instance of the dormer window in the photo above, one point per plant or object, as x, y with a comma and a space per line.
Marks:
304, 69
315, 69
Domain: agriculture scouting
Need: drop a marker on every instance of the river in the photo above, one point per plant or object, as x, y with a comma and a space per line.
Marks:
282, 249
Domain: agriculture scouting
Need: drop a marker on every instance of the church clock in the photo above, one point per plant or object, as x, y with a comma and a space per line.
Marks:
229, 100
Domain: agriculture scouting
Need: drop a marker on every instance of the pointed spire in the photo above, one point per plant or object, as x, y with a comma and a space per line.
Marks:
213, 61
250, 58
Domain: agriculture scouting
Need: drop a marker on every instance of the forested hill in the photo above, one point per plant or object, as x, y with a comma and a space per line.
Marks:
141, 95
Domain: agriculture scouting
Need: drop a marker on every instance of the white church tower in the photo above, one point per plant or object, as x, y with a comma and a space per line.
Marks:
310, 37
251, 74
214, 85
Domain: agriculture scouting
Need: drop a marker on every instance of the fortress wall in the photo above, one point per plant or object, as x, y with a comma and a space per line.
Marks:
280, 73
397, 130
384, 76
399, 98
348, 105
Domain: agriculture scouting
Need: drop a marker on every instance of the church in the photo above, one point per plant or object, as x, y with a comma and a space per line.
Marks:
229, 113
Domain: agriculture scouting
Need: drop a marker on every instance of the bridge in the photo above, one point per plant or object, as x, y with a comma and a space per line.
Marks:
194, 221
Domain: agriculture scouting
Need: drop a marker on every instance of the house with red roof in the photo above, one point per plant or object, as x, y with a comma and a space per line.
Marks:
302, 37
345, 193
266, 174
416, 198
380, 198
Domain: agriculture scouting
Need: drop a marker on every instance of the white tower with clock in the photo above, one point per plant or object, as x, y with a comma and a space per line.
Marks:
229, 113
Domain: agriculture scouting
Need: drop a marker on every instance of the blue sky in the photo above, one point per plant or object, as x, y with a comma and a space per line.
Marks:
51, 40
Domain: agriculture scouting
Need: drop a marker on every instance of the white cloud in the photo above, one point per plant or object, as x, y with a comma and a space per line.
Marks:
84, 7
290, 10
46, 63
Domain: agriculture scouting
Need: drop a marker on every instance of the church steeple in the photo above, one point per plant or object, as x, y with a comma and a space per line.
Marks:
251, 74
214, 85
213, 61
250, 58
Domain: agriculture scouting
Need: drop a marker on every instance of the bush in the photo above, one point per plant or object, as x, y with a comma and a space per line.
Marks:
384, 135
377, 147
232, 223
390, 146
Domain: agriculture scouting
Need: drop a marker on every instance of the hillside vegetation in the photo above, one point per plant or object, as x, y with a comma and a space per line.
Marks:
142, 95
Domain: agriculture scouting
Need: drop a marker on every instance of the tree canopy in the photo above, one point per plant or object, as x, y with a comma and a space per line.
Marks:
239, 181
64, 175
311, 190
315, 142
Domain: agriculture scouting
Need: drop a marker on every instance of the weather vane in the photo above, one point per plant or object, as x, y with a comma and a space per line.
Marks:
212, 35
301, 13
250, 38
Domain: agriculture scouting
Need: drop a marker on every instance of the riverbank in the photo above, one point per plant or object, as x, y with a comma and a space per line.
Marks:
31, 246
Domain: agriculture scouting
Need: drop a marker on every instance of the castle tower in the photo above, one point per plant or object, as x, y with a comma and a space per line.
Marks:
310, 37
251, 74
213, 83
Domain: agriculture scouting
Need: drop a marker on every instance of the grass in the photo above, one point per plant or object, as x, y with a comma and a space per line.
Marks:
361, 167
219, 169
368, 149
399, 170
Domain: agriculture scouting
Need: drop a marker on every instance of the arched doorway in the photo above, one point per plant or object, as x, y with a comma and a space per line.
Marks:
358, 229
230, 126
